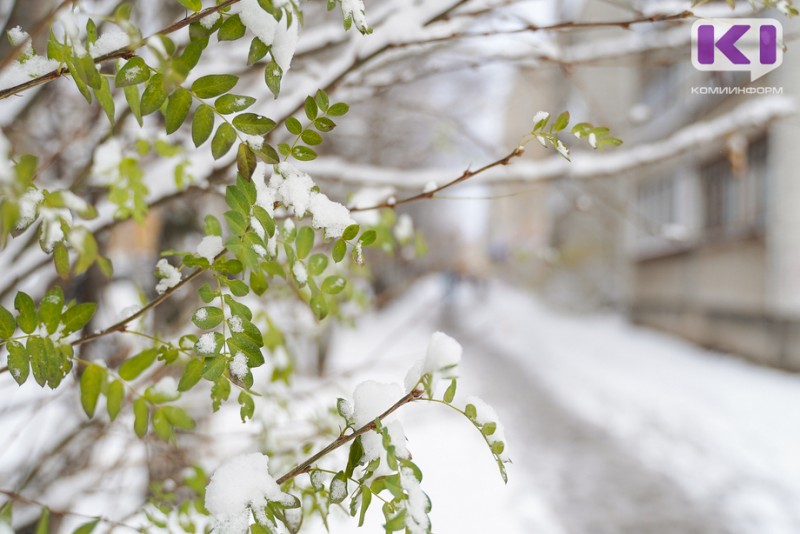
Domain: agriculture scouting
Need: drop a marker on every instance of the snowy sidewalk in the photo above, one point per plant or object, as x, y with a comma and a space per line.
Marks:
612, 428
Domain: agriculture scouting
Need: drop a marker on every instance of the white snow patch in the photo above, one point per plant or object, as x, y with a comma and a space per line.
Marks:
170, 276
209, 247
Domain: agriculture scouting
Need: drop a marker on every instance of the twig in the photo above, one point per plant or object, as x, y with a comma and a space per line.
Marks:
466, 175
342, 440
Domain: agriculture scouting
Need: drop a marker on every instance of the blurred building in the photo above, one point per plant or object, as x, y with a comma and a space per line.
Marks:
704, 243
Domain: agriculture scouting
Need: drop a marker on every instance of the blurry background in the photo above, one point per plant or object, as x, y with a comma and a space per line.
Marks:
632, 315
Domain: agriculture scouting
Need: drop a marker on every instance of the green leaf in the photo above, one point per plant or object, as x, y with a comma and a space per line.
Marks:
248, 406
303, 153
232, 29
317, 264
470, 411
214, 85
322, 101
77, 316
350, 232
178, 417
43, 526
246, 160
202, 124
191, 375
272, 76
26, 312
338, 491
207, 317
162, 426
19, 362
368, 238
450, 393
257, 51
561, 122
324, 124
264, 218
304, 241
236, 200
366, 499
247, 346
333, 285
339, 251
115, 393
338, 109
223, 140
134, 103
294, 126
87, 528
310, 137
50, 309
319, 306
253, 124
141, 413
310, 107
229, 103
134, 366
214, 367
92, 382
7, 324
61, 260
489, 428
194, 5
154, 95
211, 226
178, 107
105, 99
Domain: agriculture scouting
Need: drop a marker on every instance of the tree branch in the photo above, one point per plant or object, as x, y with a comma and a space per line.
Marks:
342, 440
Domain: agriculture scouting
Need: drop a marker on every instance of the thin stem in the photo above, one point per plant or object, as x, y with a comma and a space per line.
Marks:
342, 440
466, 175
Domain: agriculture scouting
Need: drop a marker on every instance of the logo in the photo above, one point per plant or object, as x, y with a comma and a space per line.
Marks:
754, 45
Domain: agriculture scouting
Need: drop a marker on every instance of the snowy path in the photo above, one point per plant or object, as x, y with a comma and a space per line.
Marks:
593, 484
613, 429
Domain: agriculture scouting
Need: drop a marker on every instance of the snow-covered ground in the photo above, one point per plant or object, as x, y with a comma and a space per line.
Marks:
612, 428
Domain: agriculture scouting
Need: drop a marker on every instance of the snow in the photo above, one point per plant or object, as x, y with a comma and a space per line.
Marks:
110, 41
416, 520
371, 399
239, 366
404, 228
33, 67
18, 36
338, 489
285, 43
354, 10
209, 247
170, 276
209, 20
167, 387
28, 207
201, 314
261, 251
236, 324
430, 187
300, 273
330, 216
241, 485
259, 22
444, 352
207, 343
294, 190
540, 116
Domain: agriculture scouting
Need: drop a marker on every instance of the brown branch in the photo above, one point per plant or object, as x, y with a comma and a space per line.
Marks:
466, 175
120, 325
624, 24
124, 52
342, 440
